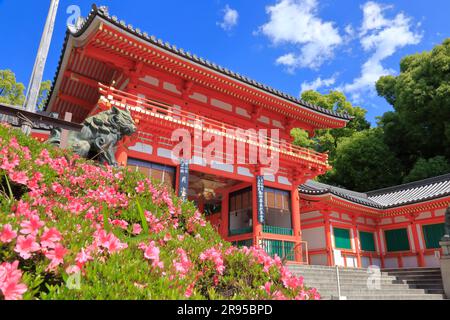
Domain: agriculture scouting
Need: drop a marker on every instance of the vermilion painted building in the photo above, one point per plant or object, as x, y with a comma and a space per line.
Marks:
106, 63
393, 227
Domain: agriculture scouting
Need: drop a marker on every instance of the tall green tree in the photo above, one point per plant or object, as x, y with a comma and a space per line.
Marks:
419, 126
428, 168
11, 91
327, 140
364, 162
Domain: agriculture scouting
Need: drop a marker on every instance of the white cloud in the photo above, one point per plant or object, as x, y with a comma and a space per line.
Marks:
381, 37
318, 83
230, 18
296, 22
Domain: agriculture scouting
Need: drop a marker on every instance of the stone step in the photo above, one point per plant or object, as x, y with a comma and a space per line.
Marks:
347, 291
403, 284
425, 269
418, 276
397, 297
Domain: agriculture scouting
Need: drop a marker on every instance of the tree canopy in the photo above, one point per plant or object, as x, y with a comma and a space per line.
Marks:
419, 126
327, 140
364, 162
410, 143
12, 92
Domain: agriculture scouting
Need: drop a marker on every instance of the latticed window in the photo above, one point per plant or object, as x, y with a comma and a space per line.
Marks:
156, 172
240, 212
278, 211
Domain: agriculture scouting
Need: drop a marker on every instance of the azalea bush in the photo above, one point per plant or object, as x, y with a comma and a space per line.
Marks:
72, 229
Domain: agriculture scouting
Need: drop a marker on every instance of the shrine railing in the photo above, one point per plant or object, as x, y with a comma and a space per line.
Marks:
147, 110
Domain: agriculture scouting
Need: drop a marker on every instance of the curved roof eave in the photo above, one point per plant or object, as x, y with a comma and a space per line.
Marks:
103, 14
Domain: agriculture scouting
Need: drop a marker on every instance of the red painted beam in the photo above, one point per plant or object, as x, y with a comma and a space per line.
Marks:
79, 102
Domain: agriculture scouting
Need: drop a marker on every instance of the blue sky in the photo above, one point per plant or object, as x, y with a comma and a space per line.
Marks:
288, 44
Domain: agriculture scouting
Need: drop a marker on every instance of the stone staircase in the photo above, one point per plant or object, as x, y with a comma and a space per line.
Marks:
399, 284
428, 279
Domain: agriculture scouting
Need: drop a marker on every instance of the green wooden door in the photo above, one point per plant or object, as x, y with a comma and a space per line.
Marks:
397, 240
433, 234
342, 238
367, 240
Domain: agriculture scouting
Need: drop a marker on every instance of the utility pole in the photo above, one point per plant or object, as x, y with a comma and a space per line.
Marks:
39, 64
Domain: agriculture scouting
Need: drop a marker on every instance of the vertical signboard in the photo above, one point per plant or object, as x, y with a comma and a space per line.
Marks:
184, 179
260, 199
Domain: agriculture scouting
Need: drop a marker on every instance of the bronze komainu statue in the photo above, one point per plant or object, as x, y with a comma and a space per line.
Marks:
99, 136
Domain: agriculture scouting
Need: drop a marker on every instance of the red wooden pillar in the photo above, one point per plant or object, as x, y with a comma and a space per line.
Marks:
357, 243
329, 249
296, 224
224, 220
380, 246
122, 155
257, 227
419, 250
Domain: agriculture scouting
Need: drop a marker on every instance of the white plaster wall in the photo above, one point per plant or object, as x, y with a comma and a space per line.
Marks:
352, 262
360, 220
150, 80
318, 259
142, 147
410, 262
431, 261
400, 219
365, 262
264, 119
315, 238
221, 105
309, 215
199, 97
171, 87
242, 112
346, 217
385, 221
439, 212
391, 263
424, 215
376, 262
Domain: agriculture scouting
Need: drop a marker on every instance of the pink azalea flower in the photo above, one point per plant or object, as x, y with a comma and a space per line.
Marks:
56, 256
151, 252
19, 177
137, 229
7, 234
10, 277
31, 226
26, 246
215, 256
50, 237
140, 187
183, 265
267, 287
82, 257
72, 269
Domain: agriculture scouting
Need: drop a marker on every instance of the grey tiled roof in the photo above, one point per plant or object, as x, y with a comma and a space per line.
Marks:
391, 197
104, 14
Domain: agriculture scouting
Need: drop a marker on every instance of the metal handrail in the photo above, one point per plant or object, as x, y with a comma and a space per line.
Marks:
293, 250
